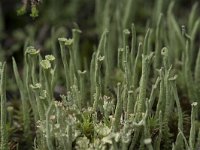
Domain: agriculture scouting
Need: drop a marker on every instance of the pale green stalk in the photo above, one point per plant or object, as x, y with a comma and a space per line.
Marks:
118, 109
120, 58
174, 25
83, 91
4, 131
107, 64
195, 30
129, 12
179, 142
146, 127
161, 99
54, 79
143, 83
41, 77
64, 61
22, 91
188, 74
131, 103
197, 75
158, 140
33, 61
126, 63
105, 24
180, 114
157, 10
197, 69
193, 126
146, 41
124, 100
198, 140
179, 139
168, 97
184, 139
136, 68
62, 124
27, 83
133, 44
98, 63
153, 93
157, 61
192, 16
76, 36
167, 84
72, 72
47, 79
126, 34
175, 37
149, 44
40, 105
194, 34
48, 132
127, 79
92, 77
102, 43
69, 139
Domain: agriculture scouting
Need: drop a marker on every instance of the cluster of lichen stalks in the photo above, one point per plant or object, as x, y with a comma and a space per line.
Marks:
123, 103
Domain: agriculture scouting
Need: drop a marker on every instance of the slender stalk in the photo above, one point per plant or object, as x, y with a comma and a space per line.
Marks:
118, 110
48, 132
23, 93
4, 131
193, 127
